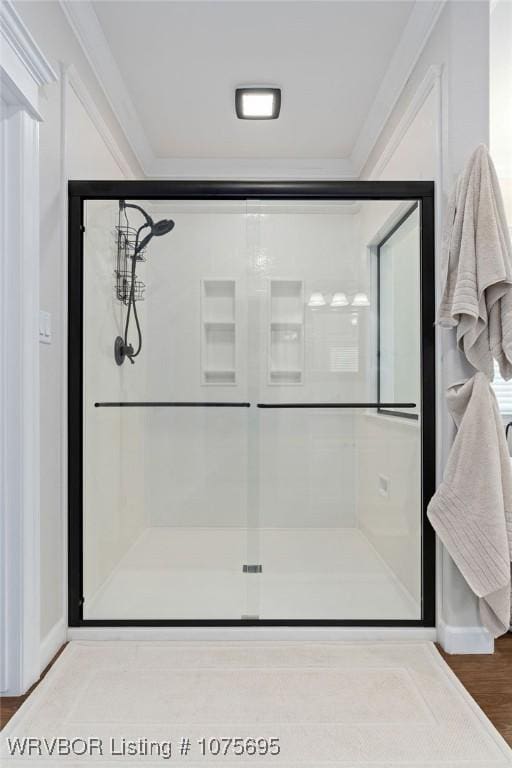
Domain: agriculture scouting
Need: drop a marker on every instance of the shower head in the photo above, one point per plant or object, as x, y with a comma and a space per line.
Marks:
157, 229
122, 348
162, 227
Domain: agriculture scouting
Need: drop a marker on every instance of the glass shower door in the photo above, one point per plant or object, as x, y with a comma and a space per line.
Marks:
261, 460
337, 528
166, 440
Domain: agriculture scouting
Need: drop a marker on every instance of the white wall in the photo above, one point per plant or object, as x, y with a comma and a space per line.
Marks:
389, 446
501, 97
96, 148
435, 126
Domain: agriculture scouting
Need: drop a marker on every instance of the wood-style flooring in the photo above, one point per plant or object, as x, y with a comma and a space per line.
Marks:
488, 678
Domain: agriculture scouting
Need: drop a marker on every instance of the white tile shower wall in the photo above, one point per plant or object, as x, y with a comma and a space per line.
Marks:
308, 462
389, 494
114, 439
318, 245
221, 467
388, 491
196, 458
203, 245
308, 458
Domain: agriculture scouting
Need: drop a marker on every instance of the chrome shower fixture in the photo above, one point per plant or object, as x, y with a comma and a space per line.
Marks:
132, 288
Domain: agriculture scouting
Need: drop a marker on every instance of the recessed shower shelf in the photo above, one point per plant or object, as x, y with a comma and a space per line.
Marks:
286, 332
285, 377
218, 332
219, 324
286, 325
219, 377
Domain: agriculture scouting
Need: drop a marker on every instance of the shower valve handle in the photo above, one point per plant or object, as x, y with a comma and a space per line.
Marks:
122, 351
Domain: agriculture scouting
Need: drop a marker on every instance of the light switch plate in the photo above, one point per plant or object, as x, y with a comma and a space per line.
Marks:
45, 327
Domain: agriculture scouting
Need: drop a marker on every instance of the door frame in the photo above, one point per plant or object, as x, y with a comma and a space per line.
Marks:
24, 69
81, 191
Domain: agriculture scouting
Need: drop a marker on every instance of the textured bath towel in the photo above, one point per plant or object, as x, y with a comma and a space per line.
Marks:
477, 268
472, 509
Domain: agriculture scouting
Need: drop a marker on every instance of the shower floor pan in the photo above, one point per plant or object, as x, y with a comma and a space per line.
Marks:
307, 574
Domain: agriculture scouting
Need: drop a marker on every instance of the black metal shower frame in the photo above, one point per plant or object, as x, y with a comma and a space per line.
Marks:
382, 409
81, 191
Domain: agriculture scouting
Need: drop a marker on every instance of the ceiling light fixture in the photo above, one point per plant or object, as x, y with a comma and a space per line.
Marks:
339, 300
257, 103
317, 299
360, 300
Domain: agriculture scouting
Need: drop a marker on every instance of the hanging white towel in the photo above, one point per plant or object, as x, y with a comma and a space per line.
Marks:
471, 510
477, 267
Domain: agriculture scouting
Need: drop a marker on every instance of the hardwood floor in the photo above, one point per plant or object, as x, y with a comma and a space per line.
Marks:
487, 678
10, 704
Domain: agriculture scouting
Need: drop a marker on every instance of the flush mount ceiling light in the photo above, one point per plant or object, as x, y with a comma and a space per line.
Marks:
257, 103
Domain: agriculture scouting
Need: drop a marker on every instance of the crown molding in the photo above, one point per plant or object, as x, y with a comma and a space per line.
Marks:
24, 68
16, 34
86, 26
431, 79
244, 168
422, 21
73, 80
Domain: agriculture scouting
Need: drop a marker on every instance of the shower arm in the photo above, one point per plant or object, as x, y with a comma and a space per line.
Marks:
123, 204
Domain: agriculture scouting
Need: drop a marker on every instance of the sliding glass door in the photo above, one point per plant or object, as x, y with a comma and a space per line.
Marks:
166, 439
250, 441
338, 518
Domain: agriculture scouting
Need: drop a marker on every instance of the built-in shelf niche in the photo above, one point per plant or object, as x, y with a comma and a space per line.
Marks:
218, 332
286, 332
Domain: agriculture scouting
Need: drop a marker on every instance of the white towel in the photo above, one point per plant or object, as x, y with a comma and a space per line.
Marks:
477, 268
471, 510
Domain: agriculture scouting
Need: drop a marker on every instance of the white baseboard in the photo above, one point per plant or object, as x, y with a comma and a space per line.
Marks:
54, 640
464, 639
252, 633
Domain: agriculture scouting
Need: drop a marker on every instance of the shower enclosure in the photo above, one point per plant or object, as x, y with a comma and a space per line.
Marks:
268, 456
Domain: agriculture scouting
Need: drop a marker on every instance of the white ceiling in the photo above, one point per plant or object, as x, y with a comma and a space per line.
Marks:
181, 62
170, 69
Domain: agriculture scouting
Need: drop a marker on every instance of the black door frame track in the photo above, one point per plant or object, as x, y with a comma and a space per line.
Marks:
81, 191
